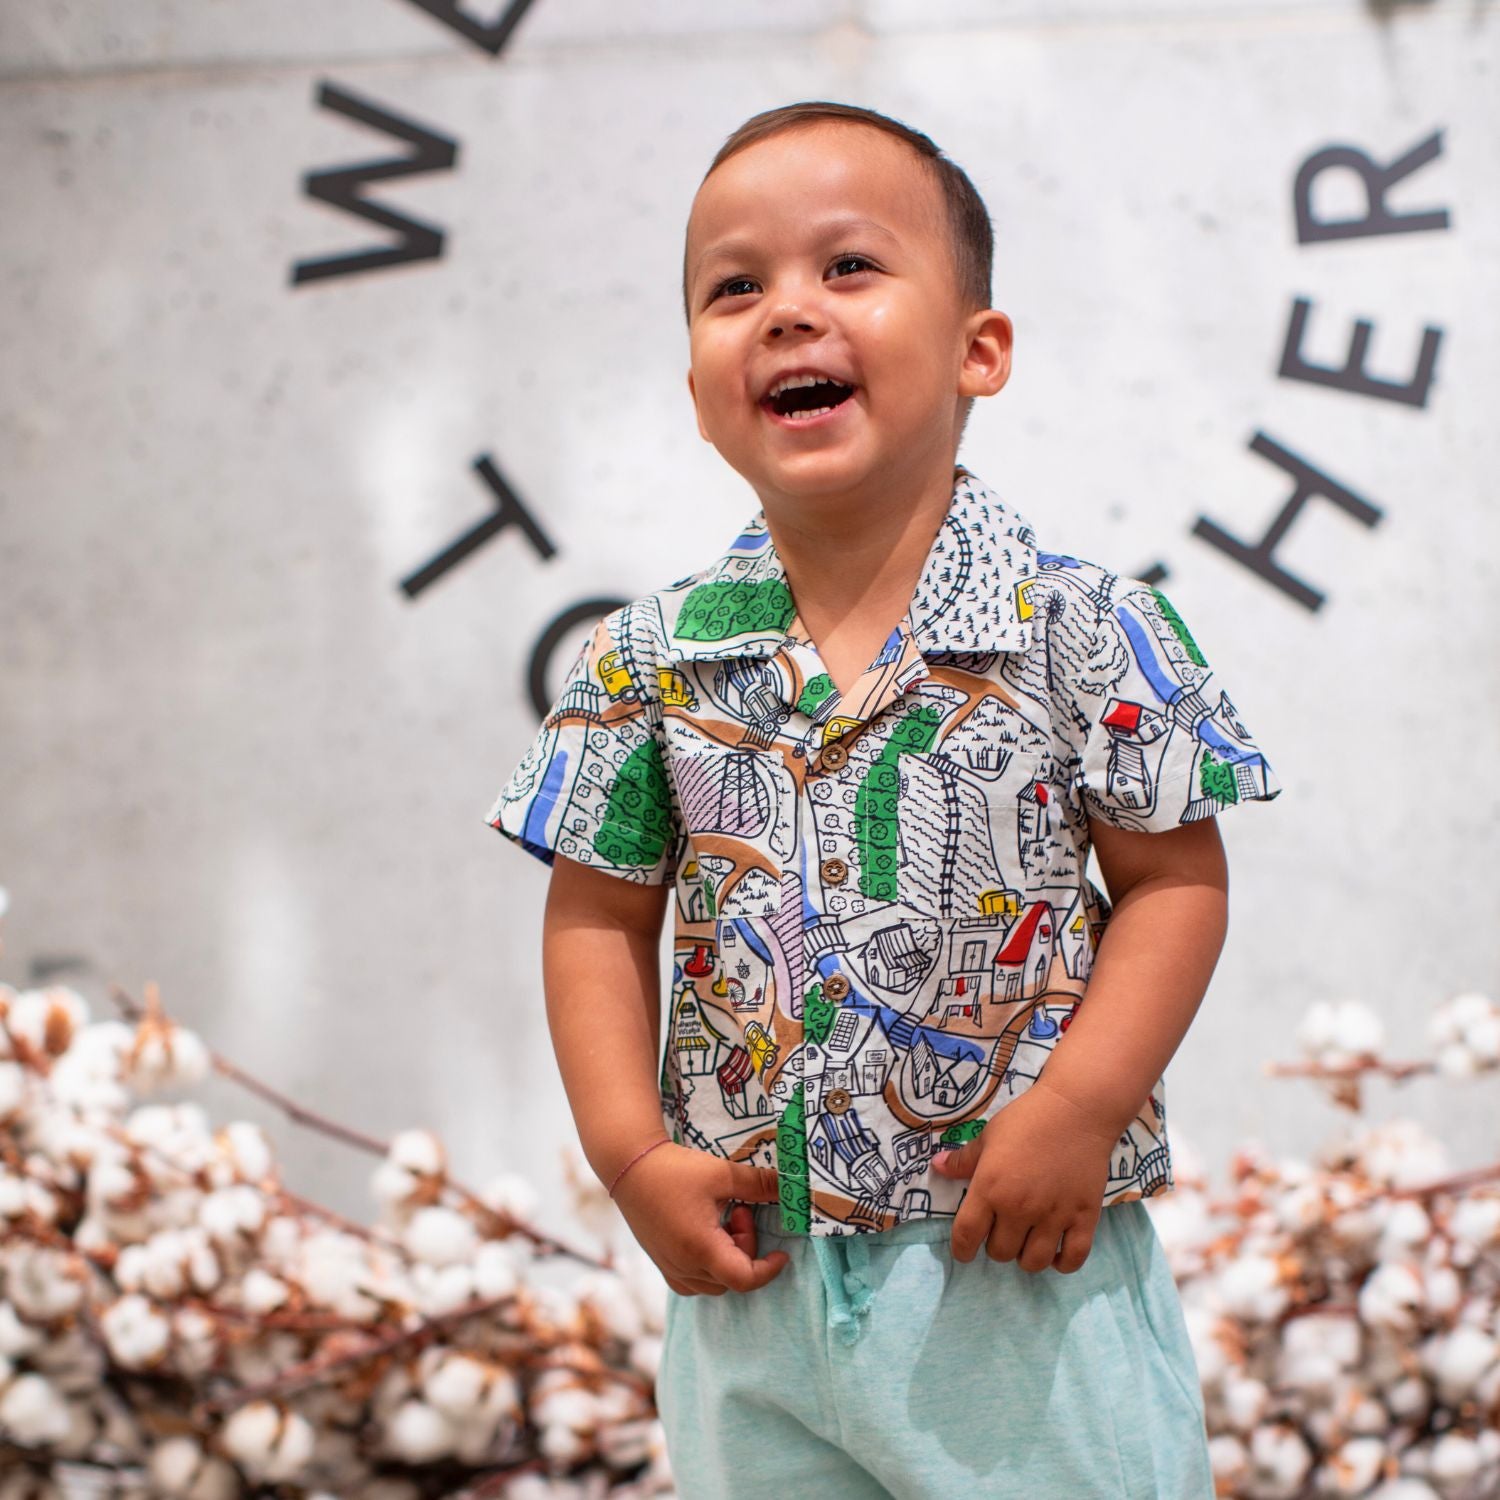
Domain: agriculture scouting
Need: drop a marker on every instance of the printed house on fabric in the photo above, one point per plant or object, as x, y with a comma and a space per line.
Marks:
883, 923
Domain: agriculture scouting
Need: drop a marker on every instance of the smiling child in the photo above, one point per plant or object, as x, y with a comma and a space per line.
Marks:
911, 1098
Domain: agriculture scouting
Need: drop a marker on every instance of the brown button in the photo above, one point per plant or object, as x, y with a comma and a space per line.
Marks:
835, 987
835, 758
835, 871
836, 1100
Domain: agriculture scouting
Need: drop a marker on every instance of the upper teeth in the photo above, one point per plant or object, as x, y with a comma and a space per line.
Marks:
789, 381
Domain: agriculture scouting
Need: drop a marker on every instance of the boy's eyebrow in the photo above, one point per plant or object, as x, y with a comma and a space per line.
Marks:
826, 229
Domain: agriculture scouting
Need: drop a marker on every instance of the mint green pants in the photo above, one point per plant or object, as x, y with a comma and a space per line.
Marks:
878, 1366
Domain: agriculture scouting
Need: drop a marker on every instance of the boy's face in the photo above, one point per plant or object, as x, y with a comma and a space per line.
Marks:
826, 248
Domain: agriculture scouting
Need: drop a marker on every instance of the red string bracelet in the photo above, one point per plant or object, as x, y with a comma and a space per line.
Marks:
633, 1160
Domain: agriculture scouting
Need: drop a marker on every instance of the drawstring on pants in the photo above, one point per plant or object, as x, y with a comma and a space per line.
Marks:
849, 1295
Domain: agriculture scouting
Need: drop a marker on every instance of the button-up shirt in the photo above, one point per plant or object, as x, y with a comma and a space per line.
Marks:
882, 923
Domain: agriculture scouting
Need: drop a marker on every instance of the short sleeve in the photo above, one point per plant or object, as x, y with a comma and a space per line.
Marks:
1165, 746
593, 784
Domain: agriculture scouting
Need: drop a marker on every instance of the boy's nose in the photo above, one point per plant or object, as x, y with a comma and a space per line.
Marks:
777, 329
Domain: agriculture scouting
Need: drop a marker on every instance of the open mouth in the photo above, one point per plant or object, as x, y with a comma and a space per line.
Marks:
802, 403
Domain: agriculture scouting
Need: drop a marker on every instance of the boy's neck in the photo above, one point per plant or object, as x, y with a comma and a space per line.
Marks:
860, 552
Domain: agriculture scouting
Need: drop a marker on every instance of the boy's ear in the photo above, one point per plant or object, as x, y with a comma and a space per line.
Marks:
986, 365
693, 392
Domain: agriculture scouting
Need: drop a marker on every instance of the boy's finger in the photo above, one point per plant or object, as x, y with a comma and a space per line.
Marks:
741, 1228
971, 1227
750, 1184
738, 1271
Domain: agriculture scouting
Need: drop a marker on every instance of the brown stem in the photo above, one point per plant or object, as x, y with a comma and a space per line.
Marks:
501, 1223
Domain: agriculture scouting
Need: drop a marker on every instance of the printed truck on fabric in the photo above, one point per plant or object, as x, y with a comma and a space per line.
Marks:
882, 921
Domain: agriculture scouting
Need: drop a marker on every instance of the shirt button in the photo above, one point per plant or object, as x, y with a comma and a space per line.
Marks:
835, 758
835, 987
835, 871
836, 1101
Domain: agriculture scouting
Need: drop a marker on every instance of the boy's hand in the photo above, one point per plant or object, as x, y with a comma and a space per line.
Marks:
1039, 1168
673, 1199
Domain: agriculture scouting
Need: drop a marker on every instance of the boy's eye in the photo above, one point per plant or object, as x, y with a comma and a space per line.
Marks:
727, 288
858, 260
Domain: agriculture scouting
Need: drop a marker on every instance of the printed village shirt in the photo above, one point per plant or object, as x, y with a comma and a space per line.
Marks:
882, 921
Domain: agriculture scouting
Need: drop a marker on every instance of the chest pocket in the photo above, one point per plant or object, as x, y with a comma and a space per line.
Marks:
964, 848
738, 810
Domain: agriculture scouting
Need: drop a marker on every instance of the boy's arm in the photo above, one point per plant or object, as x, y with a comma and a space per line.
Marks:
1170, 896
600, 971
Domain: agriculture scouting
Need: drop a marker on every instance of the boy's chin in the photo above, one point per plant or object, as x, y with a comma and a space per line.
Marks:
808, 476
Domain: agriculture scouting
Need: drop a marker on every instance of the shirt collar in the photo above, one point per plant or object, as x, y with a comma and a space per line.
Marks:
972, 595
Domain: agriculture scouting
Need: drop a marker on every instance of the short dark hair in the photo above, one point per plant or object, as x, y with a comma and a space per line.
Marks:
969, 226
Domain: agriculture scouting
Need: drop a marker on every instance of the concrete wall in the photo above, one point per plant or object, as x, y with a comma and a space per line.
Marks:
242, 760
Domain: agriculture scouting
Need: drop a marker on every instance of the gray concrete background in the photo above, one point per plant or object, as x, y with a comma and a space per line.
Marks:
239, 761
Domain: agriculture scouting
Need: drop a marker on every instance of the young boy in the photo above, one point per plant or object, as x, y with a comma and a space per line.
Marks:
868, 751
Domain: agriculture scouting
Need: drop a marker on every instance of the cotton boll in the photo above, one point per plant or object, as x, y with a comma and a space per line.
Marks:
181, 1470
645, 1354
1355, 1466
495, 1270
1455, 1461
48, 1019
1409, 1399
1301, 1209
1391, 1298
440, 1237
1315, 1350
229, 1215
1316, 1031
512, 1194
1442, 1290
83, 1080
1405, 1228
456, 1386
418, 1433
1456, 1060
42, 1283
1230, 1462
1471, 1009
1474, 1226
195, 1336
1403, 1489
419, 1152
175, 1259
260, 1292
33, 1412
1457, 1361
181, 1133
13, 1089
1340, 1031
137, 1334
562, 1446
611, 1299
281, 1240
1401, 1154
331, 1270
1279, 1462
165, 1055
1250, 1287
623, 1445
1244, 1401
1483, 1040
441, 1289
17, 1339
243, 1154
270, 1443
